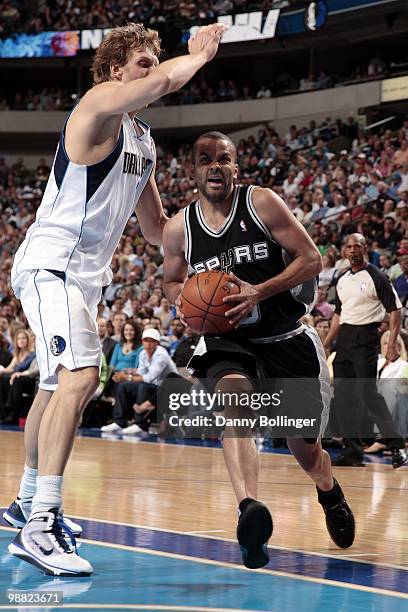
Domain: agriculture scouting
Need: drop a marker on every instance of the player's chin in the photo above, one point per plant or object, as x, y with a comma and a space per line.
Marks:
217, 193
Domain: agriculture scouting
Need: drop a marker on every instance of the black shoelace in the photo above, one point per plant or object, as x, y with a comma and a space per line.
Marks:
58, 533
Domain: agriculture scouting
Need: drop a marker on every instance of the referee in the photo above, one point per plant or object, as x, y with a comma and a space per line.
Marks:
363, 295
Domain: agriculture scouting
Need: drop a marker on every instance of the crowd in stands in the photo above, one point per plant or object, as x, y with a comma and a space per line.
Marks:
356, 182
40, 100
36, 16
203, 91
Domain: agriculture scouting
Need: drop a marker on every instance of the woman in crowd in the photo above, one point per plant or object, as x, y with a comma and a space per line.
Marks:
126, 352
22, 358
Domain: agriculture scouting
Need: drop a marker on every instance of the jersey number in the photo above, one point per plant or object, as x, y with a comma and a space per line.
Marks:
252, 317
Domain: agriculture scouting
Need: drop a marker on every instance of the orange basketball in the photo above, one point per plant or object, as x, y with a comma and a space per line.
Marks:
201, 302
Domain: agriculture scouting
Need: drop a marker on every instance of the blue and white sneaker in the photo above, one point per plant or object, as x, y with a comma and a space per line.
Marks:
19, 511
42, 542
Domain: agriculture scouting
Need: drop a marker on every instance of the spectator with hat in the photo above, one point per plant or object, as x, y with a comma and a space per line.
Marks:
142, 383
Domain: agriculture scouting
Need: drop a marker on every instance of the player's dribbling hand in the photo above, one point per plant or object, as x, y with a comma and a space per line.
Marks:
247, 299
206, 40
179, 314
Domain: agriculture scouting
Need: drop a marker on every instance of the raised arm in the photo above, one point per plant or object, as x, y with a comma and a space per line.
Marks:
116, 98
175, 265
150, 213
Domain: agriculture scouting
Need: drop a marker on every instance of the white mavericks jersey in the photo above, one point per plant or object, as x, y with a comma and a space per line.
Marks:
85, 209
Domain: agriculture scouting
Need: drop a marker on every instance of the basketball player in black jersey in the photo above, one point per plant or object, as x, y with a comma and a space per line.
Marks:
251, 231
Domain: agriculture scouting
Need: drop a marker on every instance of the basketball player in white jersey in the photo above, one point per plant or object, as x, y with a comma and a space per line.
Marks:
251, 231
103, 169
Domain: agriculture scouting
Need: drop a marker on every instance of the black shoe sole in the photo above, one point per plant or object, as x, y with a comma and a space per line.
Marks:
254, 529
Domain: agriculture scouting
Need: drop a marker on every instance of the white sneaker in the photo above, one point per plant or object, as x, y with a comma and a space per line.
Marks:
74, 528
131, 430
112, 428
42, 543
18, 512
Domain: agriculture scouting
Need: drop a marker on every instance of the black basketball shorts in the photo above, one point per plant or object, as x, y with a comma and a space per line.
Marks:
271, 364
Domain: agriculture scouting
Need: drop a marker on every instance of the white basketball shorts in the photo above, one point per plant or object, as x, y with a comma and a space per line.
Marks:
62, 314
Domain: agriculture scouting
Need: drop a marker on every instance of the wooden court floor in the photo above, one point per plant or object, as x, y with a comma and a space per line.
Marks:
186, 489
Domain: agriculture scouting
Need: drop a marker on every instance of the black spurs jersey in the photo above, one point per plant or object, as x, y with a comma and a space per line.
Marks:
244, 246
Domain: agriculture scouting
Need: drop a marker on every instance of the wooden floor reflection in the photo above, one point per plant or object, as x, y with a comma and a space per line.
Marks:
186, 489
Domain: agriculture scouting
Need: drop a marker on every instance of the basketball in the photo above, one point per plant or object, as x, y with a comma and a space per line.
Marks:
201, 302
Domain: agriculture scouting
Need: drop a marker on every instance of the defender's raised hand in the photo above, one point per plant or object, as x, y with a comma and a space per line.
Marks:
206, 40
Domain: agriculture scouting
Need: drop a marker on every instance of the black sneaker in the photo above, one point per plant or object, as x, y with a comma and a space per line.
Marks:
253, 532
339, 517
399, 457
348, 461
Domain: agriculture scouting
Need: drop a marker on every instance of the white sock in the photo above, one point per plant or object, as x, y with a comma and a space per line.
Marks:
48, 494
28, 484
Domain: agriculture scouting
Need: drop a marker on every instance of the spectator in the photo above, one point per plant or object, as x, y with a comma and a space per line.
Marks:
328, 274
389, 383
322, 326
5, 354
107, 342
322, 307
5, 330
141, 384
21, 384
118, 321
186, 348
126, 352
177, 329
400, 157
263, 92
389, 237
22, 357
401, 283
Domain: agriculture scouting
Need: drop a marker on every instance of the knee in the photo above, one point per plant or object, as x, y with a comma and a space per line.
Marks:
310, 456
233, 383
233, 394
79, 383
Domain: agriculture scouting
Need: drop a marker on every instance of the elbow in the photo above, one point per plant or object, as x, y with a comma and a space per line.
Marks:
152, 238
316, 263
154, 232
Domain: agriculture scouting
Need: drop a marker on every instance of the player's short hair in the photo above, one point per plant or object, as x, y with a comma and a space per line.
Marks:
212, 136
117, 46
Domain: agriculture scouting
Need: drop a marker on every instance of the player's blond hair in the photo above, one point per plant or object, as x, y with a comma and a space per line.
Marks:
117, 46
